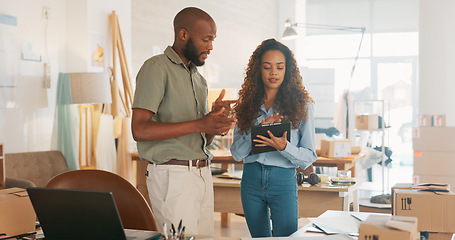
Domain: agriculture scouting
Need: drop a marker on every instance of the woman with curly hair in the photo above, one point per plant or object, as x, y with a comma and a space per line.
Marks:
273, 92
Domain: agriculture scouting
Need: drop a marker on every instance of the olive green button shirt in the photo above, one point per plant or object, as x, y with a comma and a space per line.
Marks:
175, 94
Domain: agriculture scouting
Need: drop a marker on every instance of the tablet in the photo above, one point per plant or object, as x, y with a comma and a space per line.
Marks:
277, 130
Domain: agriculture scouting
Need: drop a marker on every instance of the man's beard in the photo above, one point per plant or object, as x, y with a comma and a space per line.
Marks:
191, 53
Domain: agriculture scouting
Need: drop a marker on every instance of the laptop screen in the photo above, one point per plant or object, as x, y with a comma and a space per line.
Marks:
76, 214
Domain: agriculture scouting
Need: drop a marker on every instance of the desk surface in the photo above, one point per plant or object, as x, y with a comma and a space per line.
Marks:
304, 231
331, 214
322, 187
345, 163
225, 155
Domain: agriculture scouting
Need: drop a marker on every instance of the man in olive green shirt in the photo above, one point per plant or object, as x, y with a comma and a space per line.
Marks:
172, 125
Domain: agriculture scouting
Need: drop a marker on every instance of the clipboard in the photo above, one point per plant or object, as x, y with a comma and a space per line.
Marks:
277, 130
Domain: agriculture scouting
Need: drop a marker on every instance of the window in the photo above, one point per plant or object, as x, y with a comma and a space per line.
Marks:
386, 68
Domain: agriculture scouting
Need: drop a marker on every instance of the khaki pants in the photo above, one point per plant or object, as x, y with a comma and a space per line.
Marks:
181, 192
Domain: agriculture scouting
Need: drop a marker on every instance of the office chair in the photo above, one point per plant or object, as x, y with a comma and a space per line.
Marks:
133, 208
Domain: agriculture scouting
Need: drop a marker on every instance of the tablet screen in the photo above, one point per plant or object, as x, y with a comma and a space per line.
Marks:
277, 130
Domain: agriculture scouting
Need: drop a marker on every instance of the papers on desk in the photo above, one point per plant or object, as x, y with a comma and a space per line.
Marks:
362, 216
338, 225
367, 203
221, 153
339, 222
331, 237
331, 221
231, 175
346, 224
322, 237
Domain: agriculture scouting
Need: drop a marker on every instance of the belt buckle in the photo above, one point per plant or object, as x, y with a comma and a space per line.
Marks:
200, 161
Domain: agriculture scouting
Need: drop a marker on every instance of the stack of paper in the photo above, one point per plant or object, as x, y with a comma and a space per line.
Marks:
322, 237
231, 175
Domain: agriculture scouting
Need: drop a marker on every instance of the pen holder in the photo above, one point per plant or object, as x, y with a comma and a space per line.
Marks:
182, 237
174, 234
175, 238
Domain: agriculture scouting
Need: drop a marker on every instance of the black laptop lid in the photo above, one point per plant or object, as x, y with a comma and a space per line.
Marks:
76, 214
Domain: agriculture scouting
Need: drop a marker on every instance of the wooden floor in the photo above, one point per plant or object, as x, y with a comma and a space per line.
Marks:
238, 228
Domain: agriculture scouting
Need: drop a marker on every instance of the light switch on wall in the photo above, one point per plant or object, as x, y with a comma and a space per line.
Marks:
45, 12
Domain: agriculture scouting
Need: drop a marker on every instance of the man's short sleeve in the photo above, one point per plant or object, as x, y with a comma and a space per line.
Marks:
150, 86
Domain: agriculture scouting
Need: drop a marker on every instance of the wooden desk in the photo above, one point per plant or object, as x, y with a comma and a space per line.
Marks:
347, 163
313, 200
227, 192
225, 158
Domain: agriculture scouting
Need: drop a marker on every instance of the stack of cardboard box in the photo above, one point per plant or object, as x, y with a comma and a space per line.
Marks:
432, 204
433, 155
427, 120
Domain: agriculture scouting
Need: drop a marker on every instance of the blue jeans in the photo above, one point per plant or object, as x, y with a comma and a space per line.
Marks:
268, 187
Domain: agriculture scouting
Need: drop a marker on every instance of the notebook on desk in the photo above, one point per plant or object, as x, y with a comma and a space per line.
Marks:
81, 214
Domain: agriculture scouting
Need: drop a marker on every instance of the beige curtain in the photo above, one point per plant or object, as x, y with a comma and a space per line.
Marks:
106, 154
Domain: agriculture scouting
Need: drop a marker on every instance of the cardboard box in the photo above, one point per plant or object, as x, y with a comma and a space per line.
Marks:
434, 163
17, 213
435, 166
417, 186
336, 148
434, 139
389, 228
433, 205
438, 179
425, 120
439, 236
370, 121
438, 120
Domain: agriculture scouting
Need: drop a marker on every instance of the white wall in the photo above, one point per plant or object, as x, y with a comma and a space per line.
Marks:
437, 58
241, 27
28, 127
376, 15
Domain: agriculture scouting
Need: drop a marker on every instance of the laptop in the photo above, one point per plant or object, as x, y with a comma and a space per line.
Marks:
81, 214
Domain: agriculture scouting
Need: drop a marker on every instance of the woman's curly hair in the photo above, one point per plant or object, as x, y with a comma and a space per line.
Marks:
292, 97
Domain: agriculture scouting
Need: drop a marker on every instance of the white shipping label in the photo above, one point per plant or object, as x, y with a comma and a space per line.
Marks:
342, 149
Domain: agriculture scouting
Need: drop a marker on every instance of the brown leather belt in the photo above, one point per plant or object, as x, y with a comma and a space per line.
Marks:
199, 163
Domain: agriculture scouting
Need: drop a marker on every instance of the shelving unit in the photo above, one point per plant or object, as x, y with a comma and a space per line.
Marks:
368, 107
